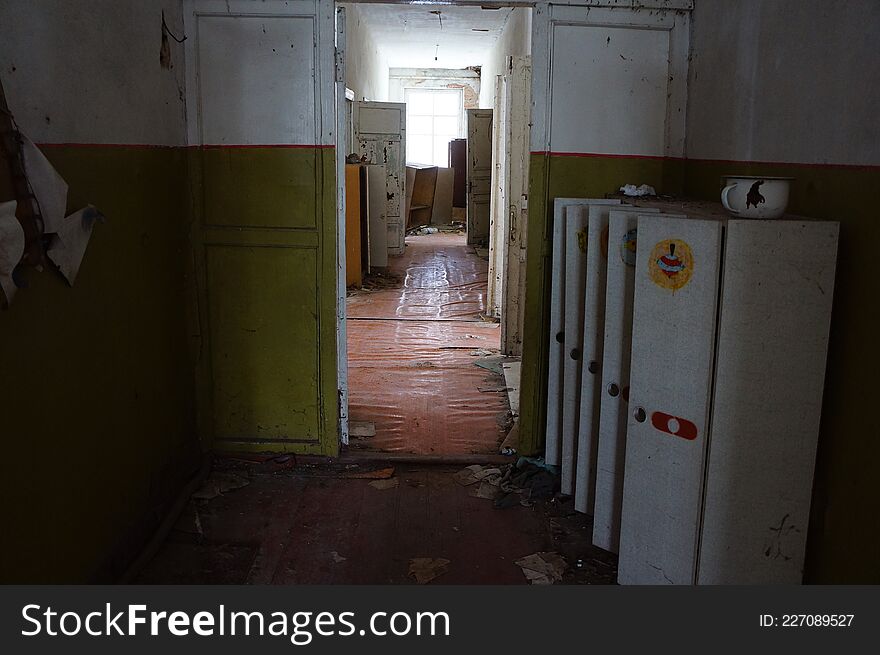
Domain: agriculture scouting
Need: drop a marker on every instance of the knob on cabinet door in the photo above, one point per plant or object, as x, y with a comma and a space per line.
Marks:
593, 367
560, 337
613, 390
575, 353
640, 415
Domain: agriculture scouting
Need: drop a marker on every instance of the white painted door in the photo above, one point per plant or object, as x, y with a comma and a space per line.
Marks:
377, 206
561, 375
380, 135
770, 377
479, 174
498, 211
517, 102
675, 302
591, 357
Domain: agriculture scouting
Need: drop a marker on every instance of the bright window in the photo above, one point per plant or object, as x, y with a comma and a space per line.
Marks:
433, 119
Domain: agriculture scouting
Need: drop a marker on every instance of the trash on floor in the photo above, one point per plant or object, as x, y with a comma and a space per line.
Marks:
466, 476
218, 483
493, 364
361, 429
389, 483
425, 569
336, 557
421, 231
543, 568
510, 445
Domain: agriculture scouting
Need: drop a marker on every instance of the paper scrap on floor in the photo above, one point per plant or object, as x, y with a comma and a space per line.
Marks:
543, 568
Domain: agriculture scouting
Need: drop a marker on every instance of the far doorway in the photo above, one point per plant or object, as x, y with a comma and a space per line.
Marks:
432, 339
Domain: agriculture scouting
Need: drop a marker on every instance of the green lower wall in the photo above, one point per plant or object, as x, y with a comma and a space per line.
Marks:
844, 538
844, 528
96, 383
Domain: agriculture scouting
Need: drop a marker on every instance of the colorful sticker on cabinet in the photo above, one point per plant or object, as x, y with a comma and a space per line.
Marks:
671, 264
628, 248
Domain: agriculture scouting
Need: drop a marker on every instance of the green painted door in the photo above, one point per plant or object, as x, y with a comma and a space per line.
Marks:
260, 85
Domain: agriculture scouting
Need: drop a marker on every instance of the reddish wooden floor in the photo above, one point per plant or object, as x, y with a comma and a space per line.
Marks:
411, 354
311, 526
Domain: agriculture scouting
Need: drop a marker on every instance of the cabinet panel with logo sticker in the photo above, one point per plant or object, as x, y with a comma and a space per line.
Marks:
673, 340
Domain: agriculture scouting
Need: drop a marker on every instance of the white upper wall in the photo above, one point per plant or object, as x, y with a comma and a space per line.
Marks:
366, 69
89, 72
515, 39
785, 81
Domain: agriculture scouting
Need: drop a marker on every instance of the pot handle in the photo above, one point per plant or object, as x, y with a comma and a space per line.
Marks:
725, 192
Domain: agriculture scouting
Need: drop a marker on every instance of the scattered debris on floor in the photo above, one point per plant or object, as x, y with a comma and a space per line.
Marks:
493, 363
510, 445
219, 483
521, 483
421, 231
361, 429
280, 528
376, 281
425, 569
543, 568
389, 483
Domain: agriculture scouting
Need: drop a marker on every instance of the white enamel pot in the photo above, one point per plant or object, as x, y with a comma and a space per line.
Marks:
747, 196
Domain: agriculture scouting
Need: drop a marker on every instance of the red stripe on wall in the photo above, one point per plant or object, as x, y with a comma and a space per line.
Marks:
733, 162
147, 146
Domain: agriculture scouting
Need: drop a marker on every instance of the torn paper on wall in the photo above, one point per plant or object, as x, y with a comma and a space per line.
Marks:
68, 245
11, 247
48, 186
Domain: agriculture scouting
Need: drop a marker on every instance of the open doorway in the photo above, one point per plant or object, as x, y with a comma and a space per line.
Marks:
436, 106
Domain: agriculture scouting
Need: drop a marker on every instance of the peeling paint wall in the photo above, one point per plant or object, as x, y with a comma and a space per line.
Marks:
516, 39
791, 88
366, 71
98, 408
467, 80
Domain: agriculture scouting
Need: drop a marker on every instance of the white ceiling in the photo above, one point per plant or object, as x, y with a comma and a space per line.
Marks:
408, 35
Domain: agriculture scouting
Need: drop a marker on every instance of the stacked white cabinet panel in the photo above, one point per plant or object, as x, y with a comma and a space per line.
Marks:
556, 348
676, 292
576, 238
770, 372
591, 356
614, 392
721, 442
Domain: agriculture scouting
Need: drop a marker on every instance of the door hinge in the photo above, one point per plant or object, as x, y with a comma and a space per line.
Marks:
340, 66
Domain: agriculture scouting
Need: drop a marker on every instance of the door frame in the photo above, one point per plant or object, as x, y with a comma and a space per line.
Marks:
342, 366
